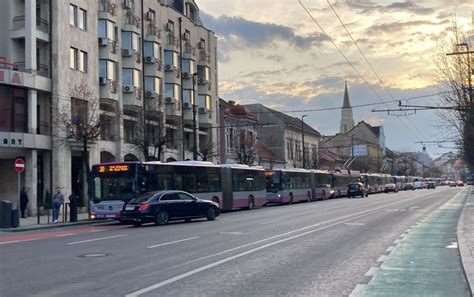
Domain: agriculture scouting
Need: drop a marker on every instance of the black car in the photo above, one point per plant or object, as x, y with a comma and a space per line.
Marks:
357, 189
164, 206
431, 185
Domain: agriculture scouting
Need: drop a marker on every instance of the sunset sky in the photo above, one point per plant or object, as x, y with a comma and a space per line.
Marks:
273, 53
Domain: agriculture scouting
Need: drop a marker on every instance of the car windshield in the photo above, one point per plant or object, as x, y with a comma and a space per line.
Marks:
353, 186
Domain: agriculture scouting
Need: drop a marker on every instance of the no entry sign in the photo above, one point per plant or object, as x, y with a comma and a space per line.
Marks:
19, 165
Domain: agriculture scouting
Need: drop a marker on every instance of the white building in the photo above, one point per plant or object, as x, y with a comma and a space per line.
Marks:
142, 62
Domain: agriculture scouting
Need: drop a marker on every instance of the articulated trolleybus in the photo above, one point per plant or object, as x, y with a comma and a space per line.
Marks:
232, 186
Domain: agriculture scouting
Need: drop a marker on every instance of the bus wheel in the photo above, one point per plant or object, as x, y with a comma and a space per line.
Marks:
162, 218
291, 199
251, 203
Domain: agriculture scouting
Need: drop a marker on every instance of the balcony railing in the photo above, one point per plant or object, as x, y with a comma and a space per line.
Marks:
113, 84
131, 19
153, 30
19, 23
173, 40
41, 70
204, 57
107, 6
189, 49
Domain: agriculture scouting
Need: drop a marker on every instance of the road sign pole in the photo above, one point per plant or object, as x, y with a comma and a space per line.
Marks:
19, 190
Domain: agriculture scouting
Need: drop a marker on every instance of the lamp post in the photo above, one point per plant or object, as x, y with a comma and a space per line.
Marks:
193, 97
302, 137
468, 53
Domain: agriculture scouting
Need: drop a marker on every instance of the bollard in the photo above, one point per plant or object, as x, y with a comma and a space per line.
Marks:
5, 214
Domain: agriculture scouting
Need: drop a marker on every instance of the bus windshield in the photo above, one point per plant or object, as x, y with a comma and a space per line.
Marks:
114, 187
273, 181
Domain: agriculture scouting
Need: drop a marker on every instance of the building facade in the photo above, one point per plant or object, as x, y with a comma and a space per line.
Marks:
140, 70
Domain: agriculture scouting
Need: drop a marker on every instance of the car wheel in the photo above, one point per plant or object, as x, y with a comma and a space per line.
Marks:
211, 214
162, 218
137, 224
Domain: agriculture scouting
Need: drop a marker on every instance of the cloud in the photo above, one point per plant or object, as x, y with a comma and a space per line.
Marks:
390, 28
371, 7
243, 33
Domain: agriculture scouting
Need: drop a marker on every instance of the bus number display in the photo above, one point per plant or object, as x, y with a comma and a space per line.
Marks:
113, 168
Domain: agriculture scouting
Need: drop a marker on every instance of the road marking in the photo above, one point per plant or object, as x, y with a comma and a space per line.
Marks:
14, 241
269, 222
171, 242
96, 239
358, 291
397, 241
354, 224
389, 249
453, 245
265, 246
63, 235
382, 258
372, 271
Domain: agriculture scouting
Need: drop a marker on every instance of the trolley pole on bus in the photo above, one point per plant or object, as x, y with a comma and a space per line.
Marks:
302, 137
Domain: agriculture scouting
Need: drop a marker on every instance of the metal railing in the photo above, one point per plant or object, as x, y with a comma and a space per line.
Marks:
41, 70
131, 19
204, 56
107, 6
113, 86
153, 30
19, 23
189, 49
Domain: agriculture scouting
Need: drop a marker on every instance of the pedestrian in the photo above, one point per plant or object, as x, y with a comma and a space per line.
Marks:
23, 202
58, 200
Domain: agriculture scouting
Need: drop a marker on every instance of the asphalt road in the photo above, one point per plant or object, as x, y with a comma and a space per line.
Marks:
322, 248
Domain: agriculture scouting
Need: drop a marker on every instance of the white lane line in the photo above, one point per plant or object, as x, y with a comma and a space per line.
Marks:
269, 222
171, 242
96, 239
355, 224
265, 246
358, 291
390, 249
63, 235
372, 271
14, 241
382, 258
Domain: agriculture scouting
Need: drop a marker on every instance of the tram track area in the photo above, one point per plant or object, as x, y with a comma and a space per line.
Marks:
183, 251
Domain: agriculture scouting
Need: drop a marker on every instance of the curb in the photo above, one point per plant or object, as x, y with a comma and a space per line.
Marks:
53, 226
467, 259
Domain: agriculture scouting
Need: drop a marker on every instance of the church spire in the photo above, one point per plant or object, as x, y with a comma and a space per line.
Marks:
347, 120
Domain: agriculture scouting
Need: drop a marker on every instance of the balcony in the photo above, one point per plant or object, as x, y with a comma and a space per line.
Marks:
108, 91
41, 70
18, 28
205, 117
107, 7
189, 49
132, 22
204, 57
173, 41
172, 107
154, 103
153, 33
132, 97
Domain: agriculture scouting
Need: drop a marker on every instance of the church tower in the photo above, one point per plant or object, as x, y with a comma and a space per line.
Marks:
347, 121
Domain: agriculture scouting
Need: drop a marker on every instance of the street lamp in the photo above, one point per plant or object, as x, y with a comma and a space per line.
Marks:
302, 136
193, 97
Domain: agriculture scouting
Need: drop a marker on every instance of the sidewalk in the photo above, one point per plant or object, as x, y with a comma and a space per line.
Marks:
465, 232
31, 223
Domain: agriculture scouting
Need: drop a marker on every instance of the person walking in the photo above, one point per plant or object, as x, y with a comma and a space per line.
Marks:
23, 202
58, 200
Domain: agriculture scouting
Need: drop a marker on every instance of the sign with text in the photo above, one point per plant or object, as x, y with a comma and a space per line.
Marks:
360, 150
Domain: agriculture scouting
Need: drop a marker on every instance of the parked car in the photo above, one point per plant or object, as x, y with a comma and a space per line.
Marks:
390, 188
431, 185
357, 189
460, 183
409, 186
452, 184
418, 185
164, 206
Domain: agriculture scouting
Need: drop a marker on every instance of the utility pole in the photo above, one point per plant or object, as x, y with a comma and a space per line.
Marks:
302, 136
194, 118
469, 70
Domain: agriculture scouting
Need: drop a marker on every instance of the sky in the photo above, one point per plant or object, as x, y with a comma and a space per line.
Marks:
272, 52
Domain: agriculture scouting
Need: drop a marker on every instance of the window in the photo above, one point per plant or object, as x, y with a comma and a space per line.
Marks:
72, 15
73, 53
153, 84
131, 40
189, 66
82, 61
205, 101
82, 19
171, 58
170, 26
106, 29
107, 128
152, 49
130, 131
13, 110
172, 91
185, 197
131, 77
151, 16
204, 72
108, 69
188, 96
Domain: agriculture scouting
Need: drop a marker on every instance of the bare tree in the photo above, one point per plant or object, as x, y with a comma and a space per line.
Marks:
313, 162
246, 149
207, 151
455, 84
80, 126
149, 139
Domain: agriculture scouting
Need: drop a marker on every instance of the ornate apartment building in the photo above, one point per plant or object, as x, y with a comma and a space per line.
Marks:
138, 69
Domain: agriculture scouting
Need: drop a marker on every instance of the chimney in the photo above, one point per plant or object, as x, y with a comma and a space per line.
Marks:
231, 103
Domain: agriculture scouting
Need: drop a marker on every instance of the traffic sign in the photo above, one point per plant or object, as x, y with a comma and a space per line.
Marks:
19, 165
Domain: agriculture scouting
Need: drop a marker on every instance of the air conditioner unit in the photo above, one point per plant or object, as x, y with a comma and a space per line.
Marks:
186, 75
169, 100
203, 81
128, 89
202, 110
169, 67
149, 60
201, 44
150, 16
102, 81
103, 41
127, 52
127, 4
151, 94
186, 36
187, 105
169, 26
